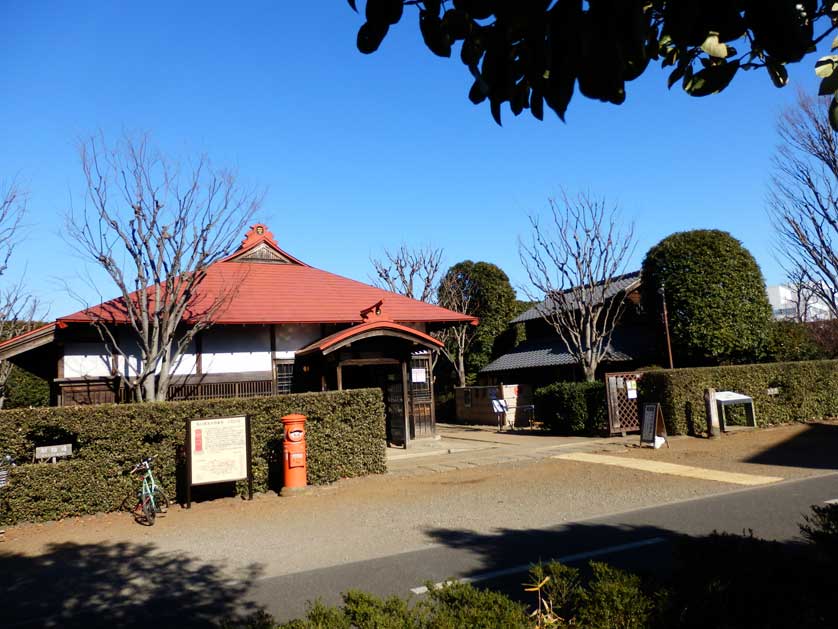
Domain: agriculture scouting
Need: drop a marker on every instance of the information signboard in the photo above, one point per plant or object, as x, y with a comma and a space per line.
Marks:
652, 427
218, 451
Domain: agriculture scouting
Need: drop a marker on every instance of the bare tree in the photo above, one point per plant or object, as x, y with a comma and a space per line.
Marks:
17, 307
456, 293
155, 230
574, 263
409, 272
803, 200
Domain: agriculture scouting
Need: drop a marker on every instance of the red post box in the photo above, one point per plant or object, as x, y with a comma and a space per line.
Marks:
294, 452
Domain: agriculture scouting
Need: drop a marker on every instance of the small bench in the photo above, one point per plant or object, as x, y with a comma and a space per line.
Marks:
731, 398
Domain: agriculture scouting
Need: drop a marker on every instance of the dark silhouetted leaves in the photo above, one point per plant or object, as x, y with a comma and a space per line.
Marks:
478, 92
537, 104
778, 73
529, 53
783, 28
833, 114
477, 9
456, 24
436, 39
387, 12
711, 79
370, 37
433, 7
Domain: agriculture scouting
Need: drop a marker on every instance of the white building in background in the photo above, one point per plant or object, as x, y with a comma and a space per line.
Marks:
789, 302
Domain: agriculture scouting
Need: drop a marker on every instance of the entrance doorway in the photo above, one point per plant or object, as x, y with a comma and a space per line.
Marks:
386, 376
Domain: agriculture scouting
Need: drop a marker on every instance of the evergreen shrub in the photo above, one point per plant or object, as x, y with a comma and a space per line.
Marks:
572, 408
345, 437
782, 392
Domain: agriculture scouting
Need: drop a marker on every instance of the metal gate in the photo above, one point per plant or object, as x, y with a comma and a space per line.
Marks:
621, 390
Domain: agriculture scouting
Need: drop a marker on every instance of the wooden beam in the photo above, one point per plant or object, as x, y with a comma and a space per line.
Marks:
351, 362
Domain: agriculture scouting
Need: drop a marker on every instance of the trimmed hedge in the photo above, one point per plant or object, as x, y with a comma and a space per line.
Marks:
572, 408
805, 390
345, 437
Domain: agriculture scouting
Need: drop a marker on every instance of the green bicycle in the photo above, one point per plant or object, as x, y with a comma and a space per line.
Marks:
151, 499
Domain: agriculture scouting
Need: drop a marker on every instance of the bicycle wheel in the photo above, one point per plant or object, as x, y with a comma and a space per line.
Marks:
148, 510
161, 500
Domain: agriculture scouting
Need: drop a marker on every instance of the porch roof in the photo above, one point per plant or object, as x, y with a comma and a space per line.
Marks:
369, 329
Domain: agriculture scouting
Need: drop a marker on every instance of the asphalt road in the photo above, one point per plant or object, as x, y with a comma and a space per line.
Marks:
639, 540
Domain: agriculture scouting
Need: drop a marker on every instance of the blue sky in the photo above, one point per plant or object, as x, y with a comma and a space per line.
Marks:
356, 152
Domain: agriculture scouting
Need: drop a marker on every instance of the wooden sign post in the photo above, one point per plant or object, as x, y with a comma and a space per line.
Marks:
652, 426
217, 451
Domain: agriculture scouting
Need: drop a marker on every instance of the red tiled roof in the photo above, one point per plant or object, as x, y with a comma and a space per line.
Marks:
259, 292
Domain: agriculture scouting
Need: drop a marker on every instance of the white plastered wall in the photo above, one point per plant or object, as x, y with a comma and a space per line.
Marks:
86, 360
226, 349
236, 349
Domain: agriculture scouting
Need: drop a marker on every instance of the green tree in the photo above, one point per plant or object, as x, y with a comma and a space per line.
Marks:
532, 54
25, 389
480, 289
715, 295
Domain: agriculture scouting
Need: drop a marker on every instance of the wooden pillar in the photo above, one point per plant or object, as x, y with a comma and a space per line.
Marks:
405, 393
274, 390
199, 351
340, 376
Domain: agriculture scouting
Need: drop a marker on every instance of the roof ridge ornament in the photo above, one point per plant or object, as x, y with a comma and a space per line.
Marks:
374, 313
258, 233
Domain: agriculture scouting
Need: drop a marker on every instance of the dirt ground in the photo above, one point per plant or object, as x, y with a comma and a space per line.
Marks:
517, 494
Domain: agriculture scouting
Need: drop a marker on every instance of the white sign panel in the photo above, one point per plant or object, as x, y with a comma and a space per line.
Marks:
218, 449
418, 375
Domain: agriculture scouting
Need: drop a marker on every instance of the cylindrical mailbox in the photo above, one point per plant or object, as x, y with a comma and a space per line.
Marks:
294, 452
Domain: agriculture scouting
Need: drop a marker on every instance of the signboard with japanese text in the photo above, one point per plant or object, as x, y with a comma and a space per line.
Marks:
218, 451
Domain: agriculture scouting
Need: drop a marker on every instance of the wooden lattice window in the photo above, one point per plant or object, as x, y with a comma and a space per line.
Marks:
284, 370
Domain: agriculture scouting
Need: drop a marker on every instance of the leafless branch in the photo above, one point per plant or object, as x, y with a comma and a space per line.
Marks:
456, 293
155, 229
573, 260
18, 309
409, 272
803, 200
12, 210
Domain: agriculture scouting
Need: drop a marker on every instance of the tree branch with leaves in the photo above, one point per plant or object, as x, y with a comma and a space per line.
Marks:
155, 228
536, 55
574, 261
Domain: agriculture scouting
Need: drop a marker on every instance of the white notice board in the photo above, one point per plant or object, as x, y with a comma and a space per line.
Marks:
218, 450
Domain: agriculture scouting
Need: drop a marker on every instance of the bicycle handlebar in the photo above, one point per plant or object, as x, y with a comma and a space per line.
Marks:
144, 464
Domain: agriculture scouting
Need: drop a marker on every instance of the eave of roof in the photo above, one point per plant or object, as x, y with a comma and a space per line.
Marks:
387, 328
623, 283
27, 341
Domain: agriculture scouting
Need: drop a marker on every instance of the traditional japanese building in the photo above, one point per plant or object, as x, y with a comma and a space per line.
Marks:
279, 326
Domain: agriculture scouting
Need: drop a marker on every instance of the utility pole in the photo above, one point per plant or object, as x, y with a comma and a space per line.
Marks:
662, 293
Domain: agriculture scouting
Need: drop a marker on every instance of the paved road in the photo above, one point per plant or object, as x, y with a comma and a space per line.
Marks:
640, 540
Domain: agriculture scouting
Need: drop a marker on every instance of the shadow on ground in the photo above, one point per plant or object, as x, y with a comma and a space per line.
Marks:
646, 549
119, 585
814, 448
714, 581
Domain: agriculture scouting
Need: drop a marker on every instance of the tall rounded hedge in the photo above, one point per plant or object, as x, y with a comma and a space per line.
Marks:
715, 296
